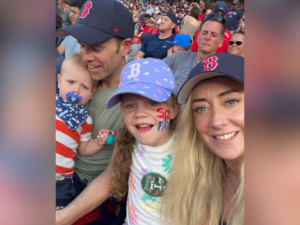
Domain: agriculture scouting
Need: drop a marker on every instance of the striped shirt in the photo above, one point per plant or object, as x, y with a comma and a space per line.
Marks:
67, 143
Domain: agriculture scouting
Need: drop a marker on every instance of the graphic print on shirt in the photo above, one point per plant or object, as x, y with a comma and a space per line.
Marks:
132, 216
139, 149
150, 204
132, 182
145, 171
167, 164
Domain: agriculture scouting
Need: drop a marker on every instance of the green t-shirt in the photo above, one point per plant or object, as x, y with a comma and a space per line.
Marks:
90, 167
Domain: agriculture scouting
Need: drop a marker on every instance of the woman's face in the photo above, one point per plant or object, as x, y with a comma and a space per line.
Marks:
236, 45
202, 5
218, 109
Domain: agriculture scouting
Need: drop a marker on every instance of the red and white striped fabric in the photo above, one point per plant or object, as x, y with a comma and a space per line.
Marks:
67, 142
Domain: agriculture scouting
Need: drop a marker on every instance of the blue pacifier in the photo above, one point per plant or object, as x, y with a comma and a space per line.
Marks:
73, 98
110, 139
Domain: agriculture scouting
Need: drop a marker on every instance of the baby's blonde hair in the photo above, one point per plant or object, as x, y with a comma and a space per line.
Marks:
74, 58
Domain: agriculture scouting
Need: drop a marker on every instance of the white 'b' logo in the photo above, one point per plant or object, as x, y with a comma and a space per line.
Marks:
135, 70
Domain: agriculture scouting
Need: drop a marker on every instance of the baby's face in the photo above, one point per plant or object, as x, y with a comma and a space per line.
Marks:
77, 80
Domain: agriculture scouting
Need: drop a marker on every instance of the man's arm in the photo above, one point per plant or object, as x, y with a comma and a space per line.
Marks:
139, 55
61, 49
91, 197
240, 25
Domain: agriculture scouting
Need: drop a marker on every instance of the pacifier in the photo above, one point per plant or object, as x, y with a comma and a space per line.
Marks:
73, 98
110, 139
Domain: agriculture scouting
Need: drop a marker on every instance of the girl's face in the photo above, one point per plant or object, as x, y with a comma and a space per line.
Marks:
148, 120
218, 108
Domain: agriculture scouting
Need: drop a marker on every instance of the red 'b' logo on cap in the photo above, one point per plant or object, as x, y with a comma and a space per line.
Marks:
86, 9
210, 63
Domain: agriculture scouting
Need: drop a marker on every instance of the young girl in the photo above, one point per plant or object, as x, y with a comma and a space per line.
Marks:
145, 143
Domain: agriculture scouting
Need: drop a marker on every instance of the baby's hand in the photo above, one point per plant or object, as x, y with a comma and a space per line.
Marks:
103, 135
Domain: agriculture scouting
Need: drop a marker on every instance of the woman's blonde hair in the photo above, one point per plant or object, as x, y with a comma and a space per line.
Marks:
194, 191
123, 158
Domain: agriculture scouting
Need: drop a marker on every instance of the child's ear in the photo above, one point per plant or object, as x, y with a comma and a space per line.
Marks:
174, 111
58, 80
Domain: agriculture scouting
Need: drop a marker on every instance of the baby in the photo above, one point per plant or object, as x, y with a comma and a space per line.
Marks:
74, 125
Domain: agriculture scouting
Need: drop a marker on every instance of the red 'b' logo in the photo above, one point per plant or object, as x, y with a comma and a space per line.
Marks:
86, 9
210, 63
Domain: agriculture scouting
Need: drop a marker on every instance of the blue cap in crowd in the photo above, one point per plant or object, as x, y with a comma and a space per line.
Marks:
221, 64
150, 78
182, 40
100, 20
220, 6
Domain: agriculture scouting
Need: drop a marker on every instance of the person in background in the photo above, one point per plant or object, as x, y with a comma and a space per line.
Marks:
156, 46
234, 18
190, 23
237, 44
211, 34
181, 43
221, 9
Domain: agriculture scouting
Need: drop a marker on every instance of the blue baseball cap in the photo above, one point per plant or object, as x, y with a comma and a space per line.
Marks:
100, 20
220, 6
221, 64
182, 40
150, 78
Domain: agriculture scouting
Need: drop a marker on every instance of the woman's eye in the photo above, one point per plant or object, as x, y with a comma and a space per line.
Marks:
232, 101
71, 82
200, 109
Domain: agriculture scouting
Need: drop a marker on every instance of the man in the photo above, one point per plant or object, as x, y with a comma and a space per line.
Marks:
179, 18
141, 17
103, 48
209, 39
64, 6
150, 9
156, 45
221, 9
70, 45
234, 18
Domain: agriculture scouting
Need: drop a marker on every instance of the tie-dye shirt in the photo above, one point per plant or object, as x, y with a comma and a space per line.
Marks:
150, 169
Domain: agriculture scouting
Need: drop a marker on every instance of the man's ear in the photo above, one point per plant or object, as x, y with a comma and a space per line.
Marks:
126, 45
221, 43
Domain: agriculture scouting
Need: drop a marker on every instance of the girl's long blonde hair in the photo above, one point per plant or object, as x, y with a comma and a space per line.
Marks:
194, 191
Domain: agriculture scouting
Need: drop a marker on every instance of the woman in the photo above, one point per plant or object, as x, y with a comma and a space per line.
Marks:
206, 186
190, 24
237, 44
205, 7
150, 28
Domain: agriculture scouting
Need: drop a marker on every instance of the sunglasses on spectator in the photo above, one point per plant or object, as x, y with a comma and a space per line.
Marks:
214, 16
236, 42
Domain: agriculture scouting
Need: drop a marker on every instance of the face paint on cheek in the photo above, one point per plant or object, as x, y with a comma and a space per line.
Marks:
165, 114
93, 88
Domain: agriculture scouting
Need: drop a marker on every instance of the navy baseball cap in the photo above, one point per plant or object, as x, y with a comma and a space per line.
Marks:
220, 6
171, 16
150, 78
182, 40
100, 20
221, 64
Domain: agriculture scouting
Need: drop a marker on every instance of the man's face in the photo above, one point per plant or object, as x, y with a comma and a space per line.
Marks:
166, 24
209, 38
74, 14
146, 20
103, 59
139, 10
163, 9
